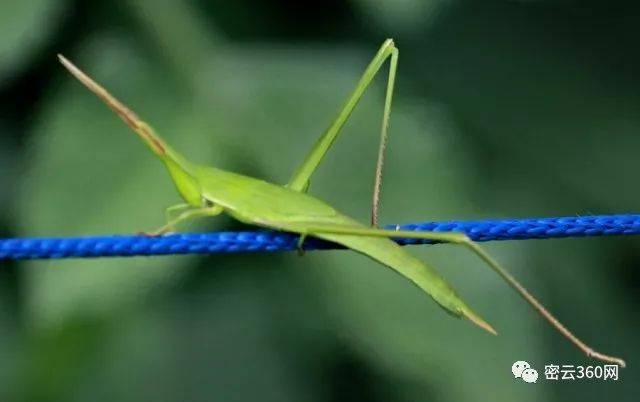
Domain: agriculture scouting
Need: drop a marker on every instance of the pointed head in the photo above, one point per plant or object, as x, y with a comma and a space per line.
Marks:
140, 127
185, 181
181, 171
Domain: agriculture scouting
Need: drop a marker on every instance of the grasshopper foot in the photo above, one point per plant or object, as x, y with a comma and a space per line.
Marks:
300, 249
167, 229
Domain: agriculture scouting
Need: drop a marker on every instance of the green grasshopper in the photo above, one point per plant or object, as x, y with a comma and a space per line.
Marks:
208, 191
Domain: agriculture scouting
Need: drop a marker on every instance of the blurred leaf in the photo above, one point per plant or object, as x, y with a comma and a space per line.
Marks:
184, 38
25, 24
257, 110
403, 16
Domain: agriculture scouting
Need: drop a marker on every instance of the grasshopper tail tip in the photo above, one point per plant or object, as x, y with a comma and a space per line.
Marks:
476, 319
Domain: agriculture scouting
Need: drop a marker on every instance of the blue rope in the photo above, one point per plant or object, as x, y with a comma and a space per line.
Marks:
258, 241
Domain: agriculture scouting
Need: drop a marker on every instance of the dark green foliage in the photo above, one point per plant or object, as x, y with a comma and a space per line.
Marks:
502, 108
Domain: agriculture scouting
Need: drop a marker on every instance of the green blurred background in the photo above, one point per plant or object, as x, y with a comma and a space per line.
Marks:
502, 109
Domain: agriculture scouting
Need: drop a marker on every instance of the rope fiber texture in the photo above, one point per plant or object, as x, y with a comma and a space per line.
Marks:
260, 241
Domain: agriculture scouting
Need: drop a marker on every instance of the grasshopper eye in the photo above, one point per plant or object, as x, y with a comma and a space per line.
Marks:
207, 203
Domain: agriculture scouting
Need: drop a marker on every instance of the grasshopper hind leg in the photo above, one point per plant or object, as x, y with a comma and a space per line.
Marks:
463, 240
300, 180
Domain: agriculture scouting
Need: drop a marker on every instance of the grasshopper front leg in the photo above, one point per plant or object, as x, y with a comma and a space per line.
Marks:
195, 212
170, 211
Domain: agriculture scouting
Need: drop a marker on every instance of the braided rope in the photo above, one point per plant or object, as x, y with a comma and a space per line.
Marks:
259, 241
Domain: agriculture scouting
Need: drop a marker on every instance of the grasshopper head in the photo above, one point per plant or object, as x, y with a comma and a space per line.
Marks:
179, 168
127, 115
186, 184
